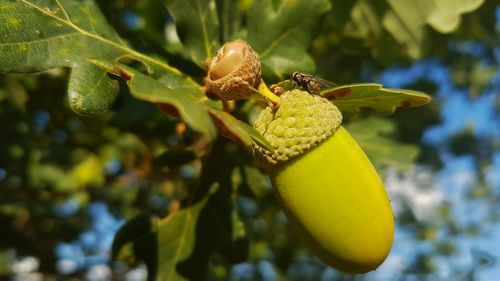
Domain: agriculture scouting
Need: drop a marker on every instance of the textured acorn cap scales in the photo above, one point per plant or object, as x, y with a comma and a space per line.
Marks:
300, 123
234, 71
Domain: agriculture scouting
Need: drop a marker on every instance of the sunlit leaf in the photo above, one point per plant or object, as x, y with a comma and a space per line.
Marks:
182, 94
176, 237
197, 26
238, 131
178, 246
186, 100
408, 19
38, 35
218, 229
395, 29
374, 136
249, 181
161, 243
89, 172
230, 15
444, 16
373, 25
406, 26
280, 31
352, 97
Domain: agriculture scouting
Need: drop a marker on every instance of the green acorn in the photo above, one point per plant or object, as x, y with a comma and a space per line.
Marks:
331, 193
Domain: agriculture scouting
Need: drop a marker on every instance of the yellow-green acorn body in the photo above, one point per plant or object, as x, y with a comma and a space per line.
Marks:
330, 191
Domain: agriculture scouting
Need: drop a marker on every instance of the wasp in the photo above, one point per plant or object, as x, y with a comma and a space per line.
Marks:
308, 82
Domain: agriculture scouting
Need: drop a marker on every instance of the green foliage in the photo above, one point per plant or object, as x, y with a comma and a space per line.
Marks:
407, 21
46, 34
189, 106
185, 239
354, 96
198, 28
373, 135
200, 221
281, 32
390, 30
175, 245
237, 130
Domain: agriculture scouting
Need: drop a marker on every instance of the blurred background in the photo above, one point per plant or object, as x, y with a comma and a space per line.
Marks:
68, 183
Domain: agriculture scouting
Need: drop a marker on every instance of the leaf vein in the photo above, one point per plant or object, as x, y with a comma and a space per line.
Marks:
105, 40
91, 21
182, 242
276, 42
208, 51
62, 36
63, 10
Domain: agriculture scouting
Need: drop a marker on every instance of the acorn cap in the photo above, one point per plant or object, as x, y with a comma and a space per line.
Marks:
234, 71
300, 123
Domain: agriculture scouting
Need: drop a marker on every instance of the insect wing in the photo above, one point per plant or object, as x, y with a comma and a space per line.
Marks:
309, 82
325, 83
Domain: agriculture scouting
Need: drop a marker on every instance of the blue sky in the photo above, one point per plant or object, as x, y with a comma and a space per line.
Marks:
461, 173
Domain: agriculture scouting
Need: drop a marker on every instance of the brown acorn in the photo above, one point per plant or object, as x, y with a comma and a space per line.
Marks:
234, 72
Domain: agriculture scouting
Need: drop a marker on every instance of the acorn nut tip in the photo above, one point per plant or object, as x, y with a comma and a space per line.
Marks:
234, 71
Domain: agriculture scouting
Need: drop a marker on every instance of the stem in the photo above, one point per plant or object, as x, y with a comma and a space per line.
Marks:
264, 91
